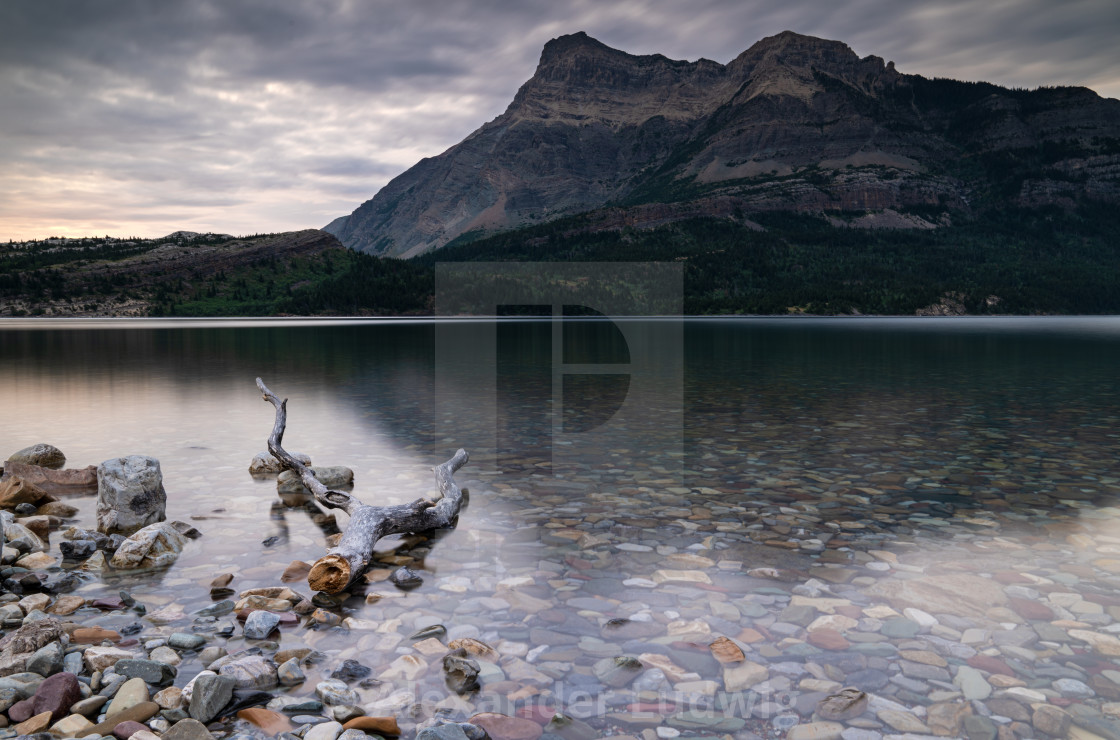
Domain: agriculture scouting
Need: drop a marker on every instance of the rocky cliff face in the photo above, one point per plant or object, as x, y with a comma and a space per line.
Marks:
794, 123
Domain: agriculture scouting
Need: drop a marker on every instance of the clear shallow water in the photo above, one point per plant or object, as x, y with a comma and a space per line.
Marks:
861, 453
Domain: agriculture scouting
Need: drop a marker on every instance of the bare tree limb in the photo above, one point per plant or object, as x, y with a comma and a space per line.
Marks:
345, 562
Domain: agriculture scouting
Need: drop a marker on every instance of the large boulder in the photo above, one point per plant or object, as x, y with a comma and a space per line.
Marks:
130, 494
43, 455
154, 546
265, 464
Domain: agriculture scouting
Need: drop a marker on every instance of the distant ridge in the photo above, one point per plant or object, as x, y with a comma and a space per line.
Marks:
794, 123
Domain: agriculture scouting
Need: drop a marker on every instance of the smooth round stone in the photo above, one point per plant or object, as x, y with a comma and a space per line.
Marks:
900, 628
132, 692
461, 631
185, 641
1072, 688
324, 731
308, 719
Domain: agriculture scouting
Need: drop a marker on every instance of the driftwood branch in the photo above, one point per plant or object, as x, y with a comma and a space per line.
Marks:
344, 563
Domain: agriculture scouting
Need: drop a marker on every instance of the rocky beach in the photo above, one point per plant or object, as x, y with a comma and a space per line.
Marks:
820, 607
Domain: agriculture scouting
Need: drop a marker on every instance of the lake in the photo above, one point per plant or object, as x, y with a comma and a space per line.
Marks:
924, 509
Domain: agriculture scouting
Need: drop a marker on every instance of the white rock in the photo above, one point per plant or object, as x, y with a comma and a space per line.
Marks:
154, 546
917, 615
324, 731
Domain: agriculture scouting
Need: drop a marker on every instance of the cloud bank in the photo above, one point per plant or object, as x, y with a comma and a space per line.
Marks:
242, 116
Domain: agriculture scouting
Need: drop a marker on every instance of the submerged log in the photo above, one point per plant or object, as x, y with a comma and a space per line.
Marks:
345, 563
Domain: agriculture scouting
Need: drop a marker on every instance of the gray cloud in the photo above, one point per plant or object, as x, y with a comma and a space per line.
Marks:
253, 115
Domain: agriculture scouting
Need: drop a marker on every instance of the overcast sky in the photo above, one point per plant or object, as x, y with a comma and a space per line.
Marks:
147, 116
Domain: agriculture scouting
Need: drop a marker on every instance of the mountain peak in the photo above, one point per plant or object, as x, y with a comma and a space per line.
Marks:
571, 43
795, 49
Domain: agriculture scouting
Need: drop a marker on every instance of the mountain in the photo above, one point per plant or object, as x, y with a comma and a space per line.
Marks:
794, 124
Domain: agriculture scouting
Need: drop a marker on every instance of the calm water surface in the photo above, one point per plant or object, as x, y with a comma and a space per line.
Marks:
851, 456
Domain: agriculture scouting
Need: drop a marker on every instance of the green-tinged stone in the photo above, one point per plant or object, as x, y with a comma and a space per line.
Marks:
976, 727
700, 720
900, 628
874, 649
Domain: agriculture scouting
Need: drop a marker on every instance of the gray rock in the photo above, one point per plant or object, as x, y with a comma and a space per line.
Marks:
72, 663
110, 684
1069, 687
1022, 637
335, 692
185, 641
154, 546
25, 683
264, 463
448, 731
153, 672
346, 712
461, 672
20, 537
405, 578
36, 615
260, 624
1088, 718
976, 727
252, 672
77, 549
289, 673
130, 494
351, 671
303, 707
9, 696
210, 694
42, 454
353, 735
47, 660
900, 628
216, 610
972, 684
331, 477
618, 671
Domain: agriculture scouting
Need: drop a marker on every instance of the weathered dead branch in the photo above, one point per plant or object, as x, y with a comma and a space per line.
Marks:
344, 563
